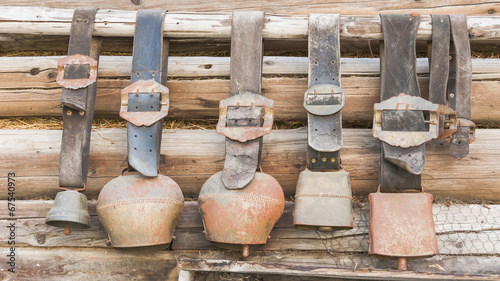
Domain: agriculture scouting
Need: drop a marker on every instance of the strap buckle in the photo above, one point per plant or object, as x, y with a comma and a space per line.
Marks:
145, 118
76, 60
415, 138
324, 99
462, 122
248, 99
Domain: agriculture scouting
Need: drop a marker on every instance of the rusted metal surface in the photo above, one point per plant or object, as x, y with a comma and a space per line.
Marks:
323, 201
144, 87
76, 60
138, 211
402, 225
324, 99
69, 210
406, 139
243, 134
242, 216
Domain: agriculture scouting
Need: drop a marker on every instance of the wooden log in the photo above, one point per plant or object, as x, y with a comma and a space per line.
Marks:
191, 156
110, 264
459, 229
468, 7
28, 87
118, 23
317, 271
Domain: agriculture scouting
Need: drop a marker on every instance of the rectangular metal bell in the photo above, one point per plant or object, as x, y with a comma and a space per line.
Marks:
323, 201
402, 225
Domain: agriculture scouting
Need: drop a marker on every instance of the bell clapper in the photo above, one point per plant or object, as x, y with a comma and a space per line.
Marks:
402, 264
246, 251
67, 231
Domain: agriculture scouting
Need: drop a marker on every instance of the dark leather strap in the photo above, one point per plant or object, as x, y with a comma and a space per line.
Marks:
439, 61
460, 84
149, 61
400, 168
243, 158
324, 132
78, 104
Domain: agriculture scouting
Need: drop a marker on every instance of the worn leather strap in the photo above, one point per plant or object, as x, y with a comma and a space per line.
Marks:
439, 61
78, 104
400, 168
150, 55
324, 132
243, 158
460, 84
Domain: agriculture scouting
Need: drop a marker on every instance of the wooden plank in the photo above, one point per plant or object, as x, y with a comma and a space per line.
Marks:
35, 70
199, 99
191, 156
119, 23
317, 271
133, 264
461, 230
468, 7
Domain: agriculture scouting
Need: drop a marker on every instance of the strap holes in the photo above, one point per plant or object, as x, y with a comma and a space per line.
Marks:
151, 107
316, 63
399, 155
315, 130
409, 155
150, 136
459, 142
136, 107
150, 150
135, 148
315, 79
334, 130
135, 136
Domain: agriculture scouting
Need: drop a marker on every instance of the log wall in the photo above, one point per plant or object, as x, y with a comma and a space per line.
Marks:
468, 234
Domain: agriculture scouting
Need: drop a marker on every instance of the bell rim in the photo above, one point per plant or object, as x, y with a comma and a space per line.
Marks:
61, 223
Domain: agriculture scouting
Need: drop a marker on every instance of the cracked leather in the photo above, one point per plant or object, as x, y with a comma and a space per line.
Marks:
243, 158
149, 61
400, 168
461, 83
324, 132
78, 105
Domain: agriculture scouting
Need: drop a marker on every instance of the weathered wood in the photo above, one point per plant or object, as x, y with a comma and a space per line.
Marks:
133, 264
461, 229
35, 70
468, 7
190, 157
118, 23
318, 271
199, 99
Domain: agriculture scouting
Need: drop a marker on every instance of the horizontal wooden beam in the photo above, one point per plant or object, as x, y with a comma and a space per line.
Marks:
467, 235
468, 7
190, 157
119, 23
110, 264
317, 271
28, 87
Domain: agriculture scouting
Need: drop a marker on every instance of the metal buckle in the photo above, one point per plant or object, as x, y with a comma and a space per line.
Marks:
76, 60
318, 99
462, 122
243, 134
145, 118
409, 139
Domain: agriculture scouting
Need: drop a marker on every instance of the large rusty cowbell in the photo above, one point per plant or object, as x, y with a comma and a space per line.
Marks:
77, 74
323, 199
143, 209
240, 206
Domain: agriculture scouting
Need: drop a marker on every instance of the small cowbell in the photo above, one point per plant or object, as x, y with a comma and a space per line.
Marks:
323, 201
69, 211
239, 218
137, 211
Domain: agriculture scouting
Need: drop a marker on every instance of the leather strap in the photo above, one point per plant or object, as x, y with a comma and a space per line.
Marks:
400, 168
243, 158
149, 62
324, 131
460, 85
78, 102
